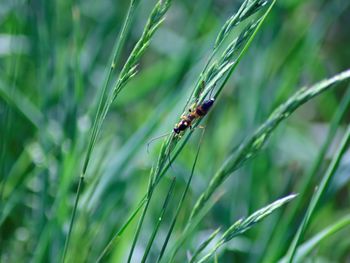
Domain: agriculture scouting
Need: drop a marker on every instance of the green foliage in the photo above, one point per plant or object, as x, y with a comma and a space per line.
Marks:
84, 86
242, 225
254, 144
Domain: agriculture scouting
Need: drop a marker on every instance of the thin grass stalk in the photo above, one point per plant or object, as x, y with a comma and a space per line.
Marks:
120, 232
143, 200
245, 48
204, 245
102, 107
318, 194
254, 144
128, 71
222, 66
247, 9
160, 219
213, 72
335, 123
151, 187
307, 247
190, 229
306, 184
106, 99
66, 245
170, 142
184, 194
138, 229
242, 225
195, 95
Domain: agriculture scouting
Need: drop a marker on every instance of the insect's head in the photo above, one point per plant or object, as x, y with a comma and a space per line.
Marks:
177, 130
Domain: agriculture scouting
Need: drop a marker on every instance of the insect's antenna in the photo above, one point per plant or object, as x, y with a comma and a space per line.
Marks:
156, 138
169, 159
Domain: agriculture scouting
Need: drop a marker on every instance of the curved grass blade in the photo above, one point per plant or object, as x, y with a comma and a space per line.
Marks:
318, 194
224, 66
190, 229
254, 144
102, 110
204, 245
306, 186
216, 72
246, 10
306, 248
242, 225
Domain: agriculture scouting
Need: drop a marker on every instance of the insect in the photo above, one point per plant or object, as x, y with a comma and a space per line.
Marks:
199, 112
196, 112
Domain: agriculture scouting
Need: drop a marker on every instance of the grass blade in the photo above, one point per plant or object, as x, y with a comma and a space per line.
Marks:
120, 232
318, 194
101, 111
243, 225
204, 245
165, 205
189, 229
306, 186
306, 248
255, 143
173, 222
225, 64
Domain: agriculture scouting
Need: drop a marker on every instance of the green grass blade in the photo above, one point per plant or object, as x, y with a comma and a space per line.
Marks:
178, 209
190, 229
120, 232
204, 245
243, 225
335, 123
216, 72
254, 144
318, 194
307, 247
306, 186
228, 61
160, 219
101, 111
255, 28
248, 8
138, 229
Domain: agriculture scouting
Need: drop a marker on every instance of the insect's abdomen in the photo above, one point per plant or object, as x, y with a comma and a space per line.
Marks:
202, 109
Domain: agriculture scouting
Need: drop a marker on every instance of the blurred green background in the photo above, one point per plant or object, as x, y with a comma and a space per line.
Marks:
53, 56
